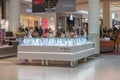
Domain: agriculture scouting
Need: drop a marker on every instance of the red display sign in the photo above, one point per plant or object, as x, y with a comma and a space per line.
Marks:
45, 22
40, 2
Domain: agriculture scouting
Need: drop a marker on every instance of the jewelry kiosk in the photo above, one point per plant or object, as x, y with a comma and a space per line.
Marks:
58, 49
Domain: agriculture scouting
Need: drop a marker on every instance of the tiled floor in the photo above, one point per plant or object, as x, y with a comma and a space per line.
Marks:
101, 68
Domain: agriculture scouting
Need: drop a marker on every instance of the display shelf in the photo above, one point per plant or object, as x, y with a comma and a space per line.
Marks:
5, 49
65, 49
2, 36
5, 46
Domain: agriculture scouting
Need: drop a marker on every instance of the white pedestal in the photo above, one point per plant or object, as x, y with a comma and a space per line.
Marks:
60, 53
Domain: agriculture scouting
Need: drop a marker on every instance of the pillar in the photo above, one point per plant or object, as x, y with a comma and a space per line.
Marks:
93, 23
3, 8
111, 19
14, 15
106, 13
7, 9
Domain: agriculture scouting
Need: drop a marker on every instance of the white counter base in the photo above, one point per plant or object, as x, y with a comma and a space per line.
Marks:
46, 53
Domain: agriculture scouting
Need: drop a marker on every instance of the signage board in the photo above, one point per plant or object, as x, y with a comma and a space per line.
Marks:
38, 5
61, 5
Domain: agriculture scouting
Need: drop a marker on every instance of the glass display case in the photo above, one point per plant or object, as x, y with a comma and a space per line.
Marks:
53, 41
58, 49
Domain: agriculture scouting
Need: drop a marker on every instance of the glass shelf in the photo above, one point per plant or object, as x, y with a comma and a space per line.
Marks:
53, 41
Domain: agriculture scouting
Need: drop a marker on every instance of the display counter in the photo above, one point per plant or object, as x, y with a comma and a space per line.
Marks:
107, 46
6, 51
5, 48
58, 49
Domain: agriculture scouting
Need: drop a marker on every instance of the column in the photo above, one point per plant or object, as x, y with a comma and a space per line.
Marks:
3, 9
106, 13
111, 18
93, 23
14, 15
7, 9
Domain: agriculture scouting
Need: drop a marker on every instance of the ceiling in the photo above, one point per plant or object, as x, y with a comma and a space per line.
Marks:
83, 4
115, 5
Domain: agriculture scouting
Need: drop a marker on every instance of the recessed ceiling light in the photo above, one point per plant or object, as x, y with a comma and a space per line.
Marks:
28, 0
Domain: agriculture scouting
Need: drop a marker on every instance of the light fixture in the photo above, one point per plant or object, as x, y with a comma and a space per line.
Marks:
83, 12
71, 17
113, 15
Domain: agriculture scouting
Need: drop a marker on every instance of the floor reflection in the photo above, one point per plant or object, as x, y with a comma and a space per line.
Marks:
101, 68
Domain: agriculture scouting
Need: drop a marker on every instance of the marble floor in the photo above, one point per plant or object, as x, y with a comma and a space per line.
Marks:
100, 68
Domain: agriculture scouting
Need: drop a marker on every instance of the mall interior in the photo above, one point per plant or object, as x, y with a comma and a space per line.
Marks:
59, 39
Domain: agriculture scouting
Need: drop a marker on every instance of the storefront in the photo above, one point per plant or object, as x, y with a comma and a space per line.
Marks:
44, 20
30, 20
35, 20
49, 20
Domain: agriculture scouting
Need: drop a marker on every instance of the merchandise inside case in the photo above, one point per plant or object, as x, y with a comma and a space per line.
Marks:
58, 49
53, 41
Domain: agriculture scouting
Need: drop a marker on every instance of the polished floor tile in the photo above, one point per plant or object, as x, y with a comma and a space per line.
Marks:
101, 68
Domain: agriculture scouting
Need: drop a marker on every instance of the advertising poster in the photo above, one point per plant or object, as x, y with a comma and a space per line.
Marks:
45, 22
